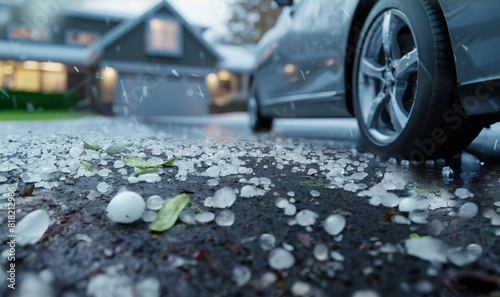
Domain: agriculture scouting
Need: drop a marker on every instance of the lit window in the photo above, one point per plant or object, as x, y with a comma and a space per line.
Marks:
81, 37
28, 33
27, 80
164, 37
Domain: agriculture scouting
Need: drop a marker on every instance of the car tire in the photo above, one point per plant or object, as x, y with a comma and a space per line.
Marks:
404, 84
257, 122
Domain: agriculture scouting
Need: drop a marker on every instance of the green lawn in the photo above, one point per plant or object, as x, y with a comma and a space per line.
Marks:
23, 115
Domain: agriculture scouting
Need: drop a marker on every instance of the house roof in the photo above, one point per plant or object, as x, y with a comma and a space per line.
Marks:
74, 55
20, 50
235, 58
127, 25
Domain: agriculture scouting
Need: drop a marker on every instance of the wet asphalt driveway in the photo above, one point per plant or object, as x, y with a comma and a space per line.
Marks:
315, 216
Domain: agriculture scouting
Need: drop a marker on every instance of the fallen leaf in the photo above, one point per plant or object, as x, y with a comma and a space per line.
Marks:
91, 146
28, 191
169, 213
118, 148
142, 164
86, 165
388, 214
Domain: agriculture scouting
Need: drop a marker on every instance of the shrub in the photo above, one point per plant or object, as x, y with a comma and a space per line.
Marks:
49, 101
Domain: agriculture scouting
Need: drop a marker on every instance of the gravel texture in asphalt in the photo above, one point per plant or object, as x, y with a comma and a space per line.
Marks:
280, 216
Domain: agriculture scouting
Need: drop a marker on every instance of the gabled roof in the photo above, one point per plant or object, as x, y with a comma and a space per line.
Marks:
235, 58
127, 25
74, 55
78, 55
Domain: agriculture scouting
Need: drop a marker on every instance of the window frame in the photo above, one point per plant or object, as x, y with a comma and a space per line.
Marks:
78, 31
176, 53
47, 30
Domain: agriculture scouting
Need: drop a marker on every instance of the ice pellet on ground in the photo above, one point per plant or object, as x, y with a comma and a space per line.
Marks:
291, 194
132, 180
365, 293
33, 285
32, 227
212, 182
126, 207
149, 287
306, 217
267, 241
427, 248
224, 198
407, 204
103, 187
290, 210
204, 217
424, 287
463, 193
104, 172
267, 279
418, 216
241, 275
334, 224
337, 256
113, 284
280, 258
468, 210
149, 216
315, 193
463, 257
187, 217
75, 151
435, 228
248, 191
225, 218
118, 164
150, 177
389, 200
281, 202
301, 289
154, 202
351, 187
447, 172
400, 220
320, 252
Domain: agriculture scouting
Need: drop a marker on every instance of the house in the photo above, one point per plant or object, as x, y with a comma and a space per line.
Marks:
153, 64
229, 87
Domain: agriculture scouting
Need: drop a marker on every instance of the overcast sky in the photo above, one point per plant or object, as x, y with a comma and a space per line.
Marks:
200, 12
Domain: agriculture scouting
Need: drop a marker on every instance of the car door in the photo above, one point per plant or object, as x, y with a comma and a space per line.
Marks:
307, 63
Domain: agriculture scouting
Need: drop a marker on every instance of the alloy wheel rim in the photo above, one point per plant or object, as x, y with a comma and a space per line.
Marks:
387, 76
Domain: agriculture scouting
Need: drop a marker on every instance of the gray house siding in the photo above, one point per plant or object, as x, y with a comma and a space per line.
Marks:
131, 47
156, 85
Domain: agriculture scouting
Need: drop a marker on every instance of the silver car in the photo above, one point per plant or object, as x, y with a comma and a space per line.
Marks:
422, 77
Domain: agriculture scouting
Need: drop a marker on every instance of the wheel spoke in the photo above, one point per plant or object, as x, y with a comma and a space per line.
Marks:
371, 70
388, 34
397, 113
406, 66
375, 109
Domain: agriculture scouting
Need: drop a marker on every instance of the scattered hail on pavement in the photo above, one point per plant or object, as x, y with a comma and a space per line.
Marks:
57, 157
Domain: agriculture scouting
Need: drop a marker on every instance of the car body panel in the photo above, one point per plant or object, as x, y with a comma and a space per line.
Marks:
301, 62
475, 40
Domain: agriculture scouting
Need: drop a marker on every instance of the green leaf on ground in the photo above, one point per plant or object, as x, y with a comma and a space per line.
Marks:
91, 146
143, 170
169, 213
87, 164
118, 148
415, 235
142, 164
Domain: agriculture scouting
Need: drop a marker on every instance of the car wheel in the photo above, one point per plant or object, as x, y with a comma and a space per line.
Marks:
404, 85
257, 122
